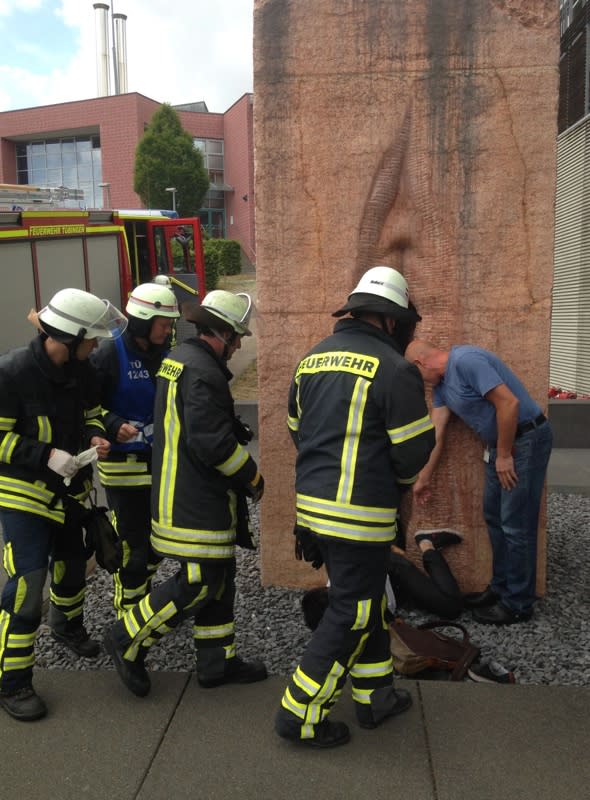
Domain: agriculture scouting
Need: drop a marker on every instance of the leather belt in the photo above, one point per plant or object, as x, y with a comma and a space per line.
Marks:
525, 427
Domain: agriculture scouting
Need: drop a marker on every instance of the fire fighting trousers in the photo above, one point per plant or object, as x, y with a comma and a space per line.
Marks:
351, 638
33, 544
203, 591
130, 509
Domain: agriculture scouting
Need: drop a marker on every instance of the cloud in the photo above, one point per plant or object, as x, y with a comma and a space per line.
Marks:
175, 53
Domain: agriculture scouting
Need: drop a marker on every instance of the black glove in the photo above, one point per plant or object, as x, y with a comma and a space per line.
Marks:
244, 531
255, 490
306, 547
102, 538
242, 431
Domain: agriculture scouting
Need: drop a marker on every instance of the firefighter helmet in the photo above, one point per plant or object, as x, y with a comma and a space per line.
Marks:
381, 290
78, 314
149, 300
219, 306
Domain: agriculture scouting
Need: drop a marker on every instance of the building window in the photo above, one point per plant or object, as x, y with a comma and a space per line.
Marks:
212, 212
71, 161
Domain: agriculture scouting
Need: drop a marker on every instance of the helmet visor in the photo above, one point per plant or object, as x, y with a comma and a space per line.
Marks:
110, 325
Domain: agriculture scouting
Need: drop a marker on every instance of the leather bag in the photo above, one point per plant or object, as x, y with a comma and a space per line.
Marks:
415, 650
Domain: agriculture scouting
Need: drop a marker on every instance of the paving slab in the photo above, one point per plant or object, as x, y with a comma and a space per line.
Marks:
221, 744
491, 742
97, 742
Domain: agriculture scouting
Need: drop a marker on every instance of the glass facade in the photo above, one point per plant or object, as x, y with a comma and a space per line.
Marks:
212, 213
72, 161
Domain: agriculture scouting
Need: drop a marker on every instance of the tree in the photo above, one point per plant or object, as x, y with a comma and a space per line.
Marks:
165, 157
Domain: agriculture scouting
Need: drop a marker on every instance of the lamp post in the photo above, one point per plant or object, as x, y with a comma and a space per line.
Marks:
106, 186
173, 190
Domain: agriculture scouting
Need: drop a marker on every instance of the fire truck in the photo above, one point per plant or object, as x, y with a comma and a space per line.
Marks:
106, 252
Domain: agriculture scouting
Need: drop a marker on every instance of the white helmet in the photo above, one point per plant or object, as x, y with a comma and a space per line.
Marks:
72, 312
232, 309
382, 290
151, 300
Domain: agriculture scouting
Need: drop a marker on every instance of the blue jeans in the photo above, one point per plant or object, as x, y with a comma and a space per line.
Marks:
512, 518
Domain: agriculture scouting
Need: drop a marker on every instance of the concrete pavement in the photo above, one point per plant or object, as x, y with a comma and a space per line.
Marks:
461, 741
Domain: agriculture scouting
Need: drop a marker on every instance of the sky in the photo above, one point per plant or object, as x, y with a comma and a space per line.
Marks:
179, 51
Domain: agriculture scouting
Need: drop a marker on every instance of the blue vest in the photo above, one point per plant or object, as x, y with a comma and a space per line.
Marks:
134, 399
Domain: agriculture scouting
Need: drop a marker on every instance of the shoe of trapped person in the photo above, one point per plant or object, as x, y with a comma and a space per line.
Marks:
481, 599
325, 734
23, 704
439, 537
385, 703
236, 671
490, 672
75, 636
499, 614
133, 673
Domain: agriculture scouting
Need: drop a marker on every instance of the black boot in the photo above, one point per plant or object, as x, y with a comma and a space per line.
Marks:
236, 671
23, 704
326, 733
75, 636
133, 673
385, 703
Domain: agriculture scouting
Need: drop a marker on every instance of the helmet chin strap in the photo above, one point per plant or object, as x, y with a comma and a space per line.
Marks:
226, 342
74, 343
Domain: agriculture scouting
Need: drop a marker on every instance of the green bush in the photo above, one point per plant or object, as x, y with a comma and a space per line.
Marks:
229, 257
211, 253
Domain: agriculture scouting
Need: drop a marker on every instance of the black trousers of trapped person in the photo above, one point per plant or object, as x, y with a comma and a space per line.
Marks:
351, 638
203, 590
131, 512
436, 592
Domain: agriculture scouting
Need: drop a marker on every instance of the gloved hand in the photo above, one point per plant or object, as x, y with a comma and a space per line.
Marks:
242, 431
82, 459
255, 490
306, 547
63, 463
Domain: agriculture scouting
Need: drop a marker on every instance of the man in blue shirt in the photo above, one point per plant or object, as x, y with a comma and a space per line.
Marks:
478, 387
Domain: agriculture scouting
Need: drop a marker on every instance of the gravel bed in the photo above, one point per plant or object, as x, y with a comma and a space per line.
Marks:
552, 649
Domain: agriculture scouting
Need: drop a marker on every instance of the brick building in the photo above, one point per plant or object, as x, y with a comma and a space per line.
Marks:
90, 144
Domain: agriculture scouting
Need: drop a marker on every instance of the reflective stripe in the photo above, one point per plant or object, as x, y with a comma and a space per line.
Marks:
117, 467
234, 463
193, 572
411, 430
333, 508
68, 602
37, 490
7, 423
190, 551
9, 442
213, 631
126, 480
19, 662
358, 650
293, 423
362, 696
15, 503
193, 534
377, 669
354, 426
8, 560
408, 481
304, 682
45, 432
363, 612
92, 412
21, 639
292, 705
346, 530
169, 457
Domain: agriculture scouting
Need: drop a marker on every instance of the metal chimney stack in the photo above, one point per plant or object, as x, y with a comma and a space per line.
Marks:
102, 48
119, 21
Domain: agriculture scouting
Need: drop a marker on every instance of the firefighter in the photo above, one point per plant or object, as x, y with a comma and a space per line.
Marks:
201, 469
48, 414
126, 369
359, 420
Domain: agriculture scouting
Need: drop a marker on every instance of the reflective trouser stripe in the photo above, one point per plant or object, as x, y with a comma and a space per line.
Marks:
313, 701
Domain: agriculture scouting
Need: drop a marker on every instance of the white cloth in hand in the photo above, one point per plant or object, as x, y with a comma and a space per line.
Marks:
63, 463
